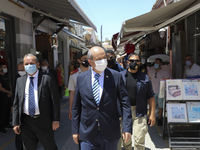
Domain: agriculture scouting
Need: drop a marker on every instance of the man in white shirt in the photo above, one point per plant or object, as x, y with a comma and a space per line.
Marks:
84, 66
192, 70
36, 107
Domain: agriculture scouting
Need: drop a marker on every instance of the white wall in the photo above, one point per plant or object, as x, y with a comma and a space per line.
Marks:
14, 10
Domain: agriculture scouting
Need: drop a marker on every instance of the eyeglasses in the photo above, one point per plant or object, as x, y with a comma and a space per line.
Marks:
132, 60
155, 74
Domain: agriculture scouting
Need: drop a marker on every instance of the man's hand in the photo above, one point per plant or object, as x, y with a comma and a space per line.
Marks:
55, 125
70, 114
76, 138
152, 120
9, 94
126, 137
11, 109
17, 129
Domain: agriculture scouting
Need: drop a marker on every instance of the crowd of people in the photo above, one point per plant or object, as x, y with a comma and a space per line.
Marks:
107, 103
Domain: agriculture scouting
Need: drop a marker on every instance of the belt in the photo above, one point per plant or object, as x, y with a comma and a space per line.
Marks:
33, 117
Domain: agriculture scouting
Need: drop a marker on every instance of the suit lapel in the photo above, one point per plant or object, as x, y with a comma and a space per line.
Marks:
89, 83
39, 84
106, 82
23, 87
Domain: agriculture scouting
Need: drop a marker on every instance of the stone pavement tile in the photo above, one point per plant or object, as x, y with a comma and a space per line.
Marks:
70, 145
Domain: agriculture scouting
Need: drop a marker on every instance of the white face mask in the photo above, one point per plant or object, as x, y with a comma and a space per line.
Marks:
5, 70
21, 73
101, 65
44, 68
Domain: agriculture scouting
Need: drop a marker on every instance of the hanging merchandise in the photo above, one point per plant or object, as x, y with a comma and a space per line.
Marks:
129, 48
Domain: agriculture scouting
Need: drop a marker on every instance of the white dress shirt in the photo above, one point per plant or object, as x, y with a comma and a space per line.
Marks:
26, 102
101, 81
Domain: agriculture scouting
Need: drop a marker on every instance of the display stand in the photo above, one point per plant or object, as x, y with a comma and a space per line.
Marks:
181, 134
164, 131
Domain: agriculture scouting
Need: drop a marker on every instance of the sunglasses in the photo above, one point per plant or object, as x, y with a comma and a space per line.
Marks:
155, 74
132, 60
109, 58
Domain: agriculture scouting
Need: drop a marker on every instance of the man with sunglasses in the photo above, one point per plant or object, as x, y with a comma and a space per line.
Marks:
84, 66
140, 91
156, 74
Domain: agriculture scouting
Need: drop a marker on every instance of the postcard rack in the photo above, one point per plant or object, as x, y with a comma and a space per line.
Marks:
181, 121
181, 134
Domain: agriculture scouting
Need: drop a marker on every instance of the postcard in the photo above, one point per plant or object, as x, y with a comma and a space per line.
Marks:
174, 89
193, 111
162, 89
191, 90
176, 112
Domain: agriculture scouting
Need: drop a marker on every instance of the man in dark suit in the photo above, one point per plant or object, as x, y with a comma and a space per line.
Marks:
36, 109
21, 72
45, 68
95, 117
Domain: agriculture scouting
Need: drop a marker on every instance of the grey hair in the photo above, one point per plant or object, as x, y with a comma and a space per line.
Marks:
45, 61
31, 55
190, 55
89, 55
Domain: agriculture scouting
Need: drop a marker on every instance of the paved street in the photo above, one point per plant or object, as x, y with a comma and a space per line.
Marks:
65, 142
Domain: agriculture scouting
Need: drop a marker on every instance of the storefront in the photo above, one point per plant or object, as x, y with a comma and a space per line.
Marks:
193, 35
7, 46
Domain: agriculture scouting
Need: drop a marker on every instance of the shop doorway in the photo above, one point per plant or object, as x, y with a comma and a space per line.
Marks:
7, 45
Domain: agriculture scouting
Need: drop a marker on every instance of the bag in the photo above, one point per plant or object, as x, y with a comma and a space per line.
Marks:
129, 48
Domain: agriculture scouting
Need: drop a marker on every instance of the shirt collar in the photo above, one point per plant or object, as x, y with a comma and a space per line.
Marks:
93, 73
35, 75
80, 71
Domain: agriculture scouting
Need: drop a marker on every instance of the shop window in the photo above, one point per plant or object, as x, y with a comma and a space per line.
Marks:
2, 41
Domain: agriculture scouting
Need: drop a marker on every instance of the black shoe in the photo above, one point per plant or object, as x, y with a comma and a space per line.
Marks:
3, 131
159, 122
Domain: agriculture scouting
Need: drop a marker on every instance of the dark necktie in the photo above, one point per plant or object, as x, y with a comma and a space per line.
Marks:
96, 88
31, 98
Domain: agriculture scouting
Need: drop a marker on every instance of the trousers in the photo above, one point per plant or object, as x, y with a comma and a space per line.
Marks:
140, 128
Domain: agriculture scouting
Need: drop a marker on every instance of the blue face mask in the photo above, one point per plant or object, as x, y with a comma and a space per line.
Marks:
30, 69
156, 66
188, 63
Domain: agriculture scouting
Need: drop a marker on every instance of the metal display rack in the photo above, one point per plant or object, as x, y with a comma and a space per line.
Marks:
181, 135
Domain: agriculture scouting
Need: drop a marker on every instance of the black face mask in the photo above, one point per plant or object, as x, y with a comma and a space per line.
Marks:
134, 66
111, 62
85, 63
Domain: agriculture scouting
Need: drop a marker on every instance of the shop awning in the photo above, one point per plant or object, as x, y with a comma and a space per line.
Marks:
156, 19
73, 36
63, 9
115, 43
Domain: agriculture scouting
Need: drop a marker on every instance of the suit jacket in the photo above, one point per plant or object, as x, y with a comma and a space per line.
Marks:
86, 115
49, 103
54, 73
13, 88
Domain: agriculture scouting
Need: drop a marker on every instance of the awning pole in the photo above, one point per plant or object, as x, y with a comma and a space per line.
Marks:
165, 2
